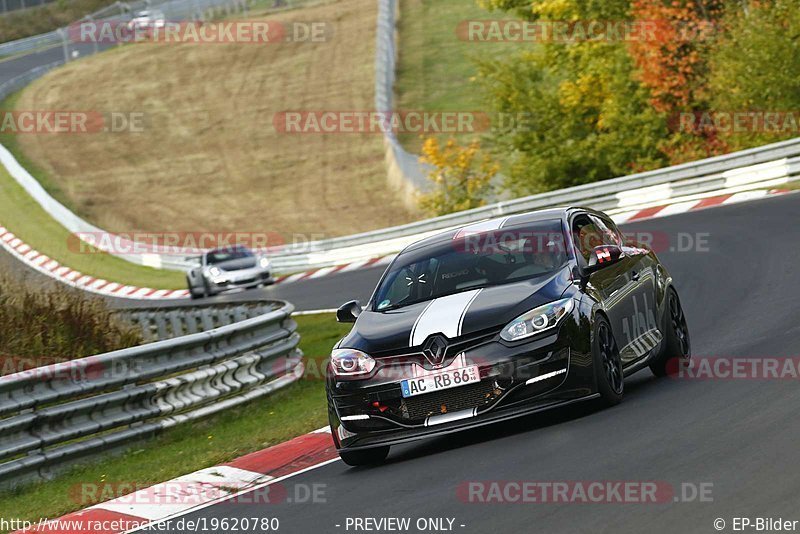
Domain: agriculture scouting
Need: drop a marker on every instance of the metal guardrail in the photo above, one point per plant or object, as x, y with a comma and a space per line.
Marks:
175, 321
405, 171
28, 44
709, 172
764, 167
55, 416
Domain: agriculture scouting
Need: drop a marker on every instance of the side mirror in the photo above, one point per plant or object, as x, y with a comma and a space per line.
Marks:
603, 256
349, 312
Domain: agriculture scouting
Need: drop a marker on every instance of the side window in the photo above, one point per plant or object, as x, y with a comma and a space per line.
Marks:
611, 235
585, 235
589, 232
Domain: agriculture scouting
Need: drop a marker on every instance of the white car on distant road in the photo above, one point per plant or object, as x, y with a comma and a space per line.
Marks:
227, 268
147, 19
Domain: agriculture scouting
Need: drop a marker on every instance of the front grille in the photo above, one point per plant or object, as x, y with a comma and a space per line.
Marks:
454, 347
449, 400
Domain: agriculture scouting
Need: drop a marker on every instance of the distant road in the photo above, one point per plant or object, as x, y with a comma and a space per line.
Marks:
11, 68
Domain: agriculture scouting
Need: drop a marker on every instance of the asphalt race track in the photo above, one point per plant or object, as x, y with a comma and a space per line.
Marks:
740, 298
315, 294
13, 67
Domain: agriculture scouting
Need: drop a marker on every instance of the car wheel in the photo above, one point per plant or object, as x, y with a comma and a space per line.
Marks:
365, 456
193, 291
607, 363
678, 345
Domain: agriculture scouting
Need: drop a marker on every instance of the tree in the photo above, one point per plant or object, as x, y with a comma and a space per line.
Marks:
587, 117
461, 176
755, 67
673, 66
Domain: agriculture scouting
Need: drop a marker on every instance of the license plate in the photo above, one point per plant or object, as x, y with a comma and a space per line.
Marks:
444, 380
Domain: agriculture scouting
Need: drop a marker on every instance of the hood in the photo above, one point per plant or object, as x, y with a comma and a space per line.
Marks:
237, 264
455, 315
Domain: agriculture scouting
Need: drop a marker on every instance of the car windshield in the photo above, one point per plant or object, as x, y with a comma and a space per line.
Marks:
471, 261
219, 256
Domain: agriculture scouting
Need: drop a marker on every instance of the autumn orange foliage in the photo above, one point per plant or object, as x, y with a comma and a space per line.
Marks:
673, 65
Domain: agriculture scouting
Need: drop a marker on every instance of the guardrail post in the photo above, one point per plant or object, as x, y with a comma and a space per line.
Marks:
63, 34
175, 320
161, 327
208, 322
94, 41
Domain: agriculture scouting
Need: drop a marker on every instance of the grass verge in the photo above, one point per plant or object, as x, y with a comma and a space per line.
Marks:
23, 216
211, 153
435, 69
46, 18
791, 186
290, 412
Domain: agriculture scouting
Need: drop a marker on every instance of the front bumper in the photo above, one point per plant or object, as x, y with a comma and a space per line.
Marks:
516, 379
243, 279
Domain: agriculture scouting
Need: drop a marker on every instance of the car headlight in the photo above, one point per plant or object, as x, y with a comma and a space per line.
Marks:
351, 362
537, 320
215, 271
264, 263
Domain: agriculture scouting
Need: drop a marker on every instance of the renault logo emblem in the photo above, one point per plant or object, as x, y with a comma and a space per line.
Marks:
435, 349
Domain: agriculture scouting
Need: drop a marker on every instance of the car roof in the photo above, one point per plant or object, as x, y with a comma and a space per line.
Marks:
231, 248
495, 223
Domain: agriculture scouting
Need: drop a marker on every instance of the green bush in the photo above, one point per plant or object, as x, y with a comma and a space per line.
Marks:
756, 67
36, 20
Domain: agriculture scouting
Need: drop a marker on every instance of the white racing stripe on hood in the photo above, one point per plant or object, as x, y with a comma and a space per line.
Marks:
444, 315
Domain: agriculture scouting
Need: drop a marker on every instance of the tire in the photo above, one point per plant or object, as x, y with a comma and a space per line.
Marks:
607, 363
192, 291
678, 345
365, 456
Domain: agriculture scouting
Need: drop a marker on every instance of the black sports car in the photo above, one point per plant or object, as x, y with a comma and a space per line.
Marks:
499, 319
